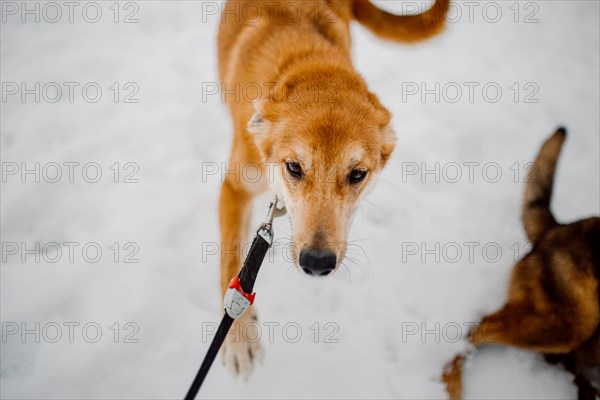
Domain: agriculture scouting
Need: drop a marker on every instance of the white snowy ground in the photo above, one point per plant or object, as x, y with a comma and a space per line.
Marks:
375, 347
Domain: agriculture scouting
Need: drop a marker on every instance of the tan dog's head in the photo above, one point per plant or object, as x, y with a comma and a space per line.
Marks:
326, 154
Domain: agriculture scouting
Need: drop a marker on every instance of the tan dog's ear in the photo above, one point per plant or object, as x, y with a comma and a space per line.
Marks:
388, 143
258, 124
259, 127
388, 139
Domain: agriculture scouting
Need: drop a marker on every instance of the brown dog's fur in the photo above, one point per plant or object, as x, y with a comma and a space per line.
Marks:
308, 107
553, 305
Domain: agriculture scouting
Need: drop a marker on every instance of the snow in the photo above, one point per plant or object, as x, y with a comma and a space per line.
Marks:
377, 310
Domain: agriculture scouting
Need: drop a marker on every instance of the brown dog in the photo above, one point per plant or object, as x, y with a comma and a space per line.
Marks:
554, 304
303, 117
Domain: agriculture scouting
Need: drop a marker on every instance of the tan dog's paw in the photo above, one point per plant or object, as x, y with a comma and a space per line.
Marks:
242, 348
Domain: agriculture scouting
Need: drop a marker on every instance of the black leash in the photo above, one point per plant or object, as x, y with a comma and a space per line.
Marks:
237, 299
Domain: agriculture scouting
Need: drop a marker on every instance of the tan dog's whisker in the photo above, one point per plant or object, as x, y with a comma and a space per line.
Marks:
363, 269
378, 208
343, 272
351, 250
397, 186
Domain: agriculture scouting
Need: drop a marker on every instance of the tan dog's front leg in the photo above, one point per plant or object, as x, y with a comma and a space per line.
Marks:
242, 346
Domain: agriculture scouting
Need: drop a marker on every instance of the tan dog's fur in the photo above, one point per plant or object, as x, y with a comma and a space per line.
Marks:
553, 305
313, 110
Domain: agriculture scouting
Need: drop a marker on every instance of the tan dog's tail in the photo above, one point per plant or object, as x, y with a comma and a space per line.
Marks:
402, 28
537, 217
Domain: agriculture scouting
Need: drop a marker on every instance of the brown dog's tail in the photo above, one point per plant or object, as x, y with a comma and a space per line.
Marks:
537, 217
402, 28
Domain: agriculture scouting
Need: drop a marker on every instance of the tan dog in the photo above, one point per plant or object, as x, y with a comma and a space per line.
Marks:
553, 305
299, 105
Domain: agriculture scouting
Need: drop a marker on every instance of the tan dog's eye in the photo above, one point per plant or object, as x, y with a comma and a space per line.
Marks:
357, 176
294, 169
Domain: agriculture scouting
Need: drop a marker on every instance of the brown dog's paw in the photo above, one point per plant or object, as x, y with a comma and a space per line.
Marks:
242, 348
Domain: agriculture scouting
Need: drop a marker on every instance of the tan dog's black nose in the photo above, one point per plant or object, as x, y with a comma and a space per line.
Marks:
317, 262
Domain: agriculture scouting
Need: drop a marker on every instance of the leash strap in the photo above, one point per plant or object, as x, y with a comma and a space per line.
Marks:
246, 279
210, 356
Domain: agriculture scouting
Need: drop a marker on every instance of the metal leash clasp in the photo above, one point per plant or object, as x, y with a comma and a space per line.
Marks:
276, 209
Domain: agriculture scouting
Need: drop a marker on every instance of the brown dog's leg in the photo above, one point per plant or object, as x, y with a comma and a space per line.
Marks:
585, 390
517, 324
452, 377
589, 352
587, 359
